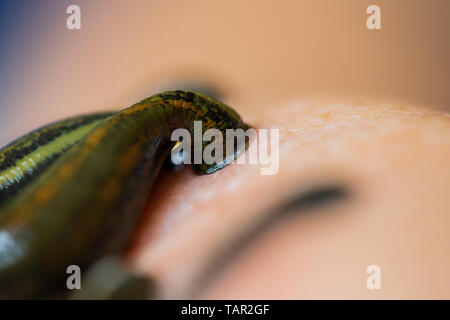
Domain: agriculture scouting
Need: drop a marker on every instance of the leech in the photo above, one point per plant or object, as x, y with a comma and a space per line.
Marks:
90, 177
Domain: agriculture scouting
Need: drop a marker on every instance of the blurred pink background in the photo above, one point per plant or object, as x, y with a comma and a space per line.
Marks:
259, 53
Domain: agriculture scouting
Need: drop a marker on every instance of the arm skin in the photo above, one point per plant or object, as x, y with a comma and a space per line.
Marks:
85, 205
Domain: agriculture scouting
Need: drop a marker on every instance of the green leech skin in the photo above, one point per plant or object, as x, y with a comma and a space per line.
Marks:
80, 202
22, 160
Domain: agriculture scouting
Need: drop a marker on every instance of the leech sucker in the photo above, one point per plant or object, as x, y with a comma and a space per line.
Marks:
72, 191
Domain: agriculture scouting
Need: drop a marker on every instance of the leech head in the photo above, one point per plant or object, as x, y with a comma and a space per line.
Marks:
218, 133
222, 147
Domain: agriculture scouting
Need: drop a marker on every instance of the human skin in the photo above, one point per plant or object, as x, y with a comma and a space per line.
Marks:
391, 160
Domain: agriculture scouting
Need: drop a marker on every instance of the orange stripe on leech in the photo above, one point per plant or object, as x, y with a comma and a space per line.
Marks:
110, 190
170, 102
129, 159
96, 136
140, 107
91, 221
45, 193
197, 110
25, 213
68, 169
188, 105
178, 103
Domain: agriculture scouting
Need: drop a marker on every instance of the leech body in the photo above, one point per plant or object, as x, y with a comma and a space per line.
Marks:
80, 199
22, 160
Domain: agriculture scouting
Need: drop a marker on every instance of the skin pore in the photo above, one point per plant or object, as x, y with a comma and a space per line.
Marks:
359, 185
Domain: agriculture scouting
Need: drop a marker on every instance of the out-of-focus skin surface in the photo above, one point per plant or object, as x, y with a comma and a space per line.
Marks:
393, 160
296, 66
256, 51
